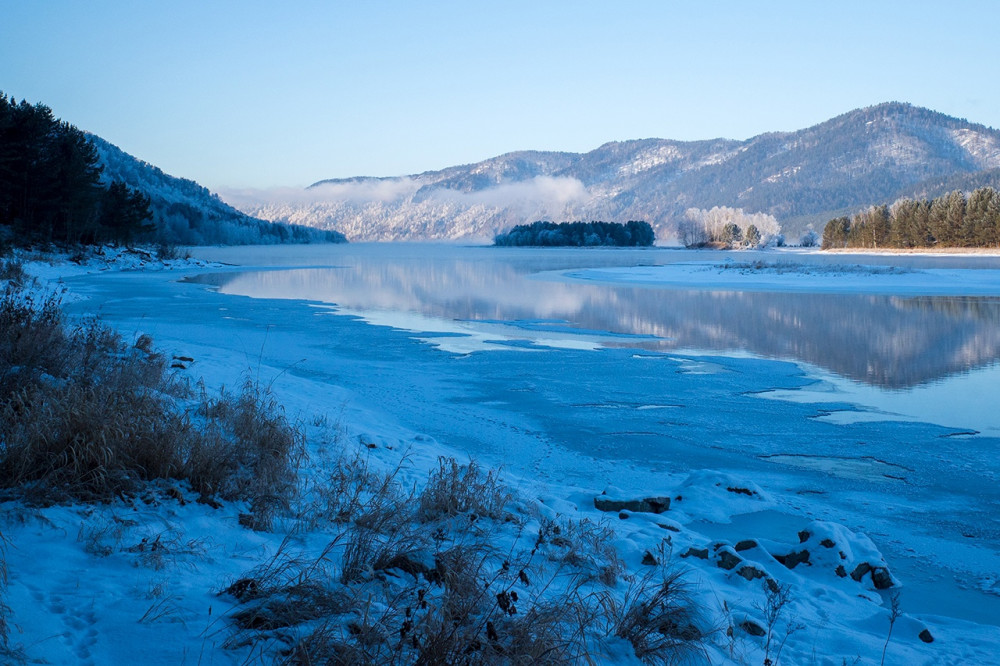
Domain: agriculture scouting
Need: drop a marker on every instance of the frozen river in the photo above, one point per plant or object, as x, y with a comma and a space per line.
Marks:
864, 397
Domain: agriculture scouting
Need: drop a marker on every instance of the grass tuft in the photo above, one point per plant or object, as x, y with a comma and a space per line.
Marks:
455, 489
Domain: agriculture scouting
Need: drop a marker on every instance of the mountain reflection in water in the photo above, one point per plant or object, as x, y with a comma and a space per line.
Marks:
887, 341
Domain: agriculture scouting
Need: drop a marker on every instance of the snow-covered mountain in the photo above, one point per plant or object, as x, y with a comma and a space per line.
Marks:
866, 156
186, 213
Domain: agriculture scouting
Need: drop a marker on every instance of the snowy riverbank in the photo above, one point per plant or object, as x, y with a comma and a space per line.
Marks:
79, 591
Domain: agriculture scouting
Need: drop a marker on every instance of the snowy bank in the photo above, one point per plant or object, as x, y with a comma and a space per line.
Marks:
171, 579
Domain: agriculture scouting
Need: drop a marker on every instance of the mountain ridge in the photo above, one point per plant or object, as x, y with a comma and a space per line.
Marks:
869, 155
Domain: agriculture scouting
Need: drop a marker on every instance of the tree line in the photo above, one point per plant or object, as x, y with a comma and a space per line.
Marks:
50, 183
633, 233
951, 220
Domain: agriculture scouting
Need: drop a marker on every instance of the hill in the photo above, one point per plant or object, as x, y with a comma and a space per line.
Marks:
865, 156
185, 213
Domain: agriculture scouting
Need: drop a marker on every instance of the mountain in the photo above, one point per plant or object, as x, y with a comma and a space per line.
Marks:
185, 213
871, 155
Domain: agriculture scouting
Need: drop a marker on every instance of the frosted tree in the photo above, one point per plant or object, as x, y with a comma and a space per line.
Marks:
701, 227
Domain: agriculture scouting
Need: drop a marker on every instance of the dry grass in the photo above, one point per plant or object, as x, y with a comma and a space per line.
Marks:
352, 491
585, 546
658, 618
85, 416
12, 270
455, 489
5, 649
429, 589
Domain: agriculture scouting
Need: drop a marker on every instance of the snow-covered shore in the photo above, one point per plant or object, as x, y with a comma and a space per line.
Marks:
727, 529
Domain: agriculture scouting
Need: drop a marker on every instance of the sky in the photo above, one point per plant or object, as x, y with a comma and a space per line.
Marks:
253, 94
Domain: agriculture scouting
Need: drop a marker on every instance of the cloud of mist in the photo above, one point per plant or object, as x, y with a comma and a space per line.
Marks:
539, 192
361, 191
542, 195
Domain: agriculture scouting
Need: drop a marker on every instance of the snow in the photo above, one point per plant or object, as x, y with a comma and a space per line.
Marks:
746, 451
779, 276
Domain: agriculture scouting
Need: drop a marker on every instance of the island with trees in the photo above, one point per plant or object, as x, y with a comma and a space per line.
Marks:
578, 234
953, 220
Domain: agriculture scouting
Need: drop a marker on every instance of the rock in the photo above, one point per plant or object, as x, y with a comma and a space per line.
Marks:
644, 505
827, 543
841, 571
860, 571
728, 560
685, 631
696, 552
246, 520
750, 572
175, 494
746, 544
925, 636
804, 536
882, 578
741, 491
208, 500
247, 588
752, 628
649, 559
794, 558
413, 562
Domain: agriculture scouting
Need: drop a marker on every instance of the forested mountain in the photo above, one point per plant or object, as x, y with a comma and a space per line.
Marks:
60, 184
875, 154
186, 213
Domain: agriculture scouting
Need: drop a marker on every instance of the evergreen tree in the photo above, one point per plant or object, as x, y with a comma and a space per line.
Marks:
731, 234
981, 217
954, 219
836, 232
752, 237
909, 224
124, 213
77, 179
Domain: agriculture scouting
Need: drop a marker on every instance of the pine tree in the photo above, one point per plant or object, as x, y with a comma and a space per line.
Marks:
731, 234
836, 232
124, 213
980, 217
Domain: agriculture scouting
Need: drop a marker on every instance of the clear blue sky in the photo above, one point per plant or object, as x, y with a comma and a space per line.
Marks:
253, 94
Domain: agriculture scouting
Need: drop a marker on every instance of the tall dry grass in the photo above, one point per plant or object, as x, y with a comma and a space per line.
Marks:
85, 416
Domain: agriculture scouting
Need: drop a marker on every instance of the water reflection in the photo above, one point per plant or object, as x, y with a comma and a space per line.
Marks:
886, 341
